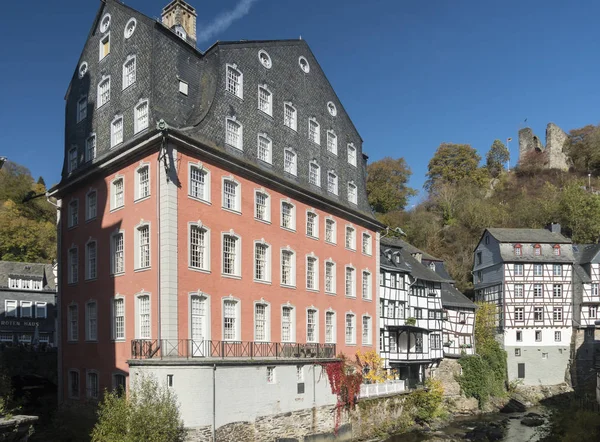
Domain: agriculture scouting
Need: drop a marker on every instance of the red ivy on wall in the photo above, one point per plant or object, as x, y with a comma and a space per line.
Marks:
345, 383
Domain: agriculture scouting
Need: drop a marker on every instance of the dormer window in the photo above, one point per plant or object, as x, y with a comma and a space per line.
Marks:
332, 109
129, 72
180, 32
518, 250
104, 48
537, 250
352, 194
351, 154
264, 58
265, 100
105, 23
303, 62
82, 109
83, 68
103, 92
331, 142
556, 250
130, 27
314, 131
235, 81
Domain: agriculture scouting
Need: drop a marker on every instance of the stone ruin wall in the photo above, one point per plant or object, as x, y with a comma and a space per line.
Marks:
555, 141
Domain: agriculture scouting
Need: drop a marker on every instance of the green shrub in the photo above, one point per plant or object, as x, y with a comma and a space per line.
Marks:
426, 404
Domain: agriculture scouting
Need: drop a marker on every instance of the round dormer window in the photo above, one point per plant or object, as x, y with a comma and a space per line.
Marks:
264, 58
303, 62
105, 23
332, 109
130, 27
83, 68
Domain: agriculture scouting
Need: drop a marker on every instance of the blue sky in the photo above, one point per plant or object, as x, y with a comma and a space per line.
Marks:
412, 74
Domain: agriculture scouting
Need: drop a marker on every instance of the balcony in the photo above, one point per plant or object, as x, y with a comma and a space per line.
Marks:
189, 348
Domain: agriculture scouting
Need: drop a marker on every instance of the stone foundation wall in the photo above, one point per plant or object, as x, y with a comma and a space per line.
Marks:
447, 372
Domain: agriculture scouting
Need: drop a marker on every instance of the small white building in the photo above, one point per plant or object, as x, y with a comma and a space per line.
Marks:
459, 322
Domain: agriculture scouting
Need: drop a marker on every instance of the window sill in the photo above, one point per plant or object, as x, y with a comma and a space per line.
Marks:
331, 243
287, 286
225, 275
231, 94
264, 221
349, 249
315, 238
330, 293
117, 274
291, 128
265, 114
260, 281
240, 149
139, 200
350, 344
129, 86
117, 208
312, 290
72, 283
73, 227
118, 341
350, 297
196, 269
91, 279
370, 300
91, 341
367, 254
289, 229
236, 212
91, 219
200, 200
142, 269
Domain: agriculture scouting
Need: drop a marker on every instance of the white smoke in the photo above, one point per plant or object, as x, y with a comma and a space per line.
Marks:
225, 19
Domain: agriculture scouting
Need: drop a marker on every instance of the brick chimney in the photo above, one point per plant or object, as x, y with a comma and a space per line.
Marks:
554, 227
181, 19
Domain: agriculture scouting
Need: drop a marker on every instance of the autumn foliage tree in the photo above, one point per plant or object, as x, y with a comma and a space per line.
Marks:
496, 158
454, 163
387, 184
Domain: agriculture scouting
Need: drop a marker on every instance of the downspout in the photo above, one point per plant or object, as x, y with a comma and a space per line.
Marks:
162, 126
58, 336
214, 408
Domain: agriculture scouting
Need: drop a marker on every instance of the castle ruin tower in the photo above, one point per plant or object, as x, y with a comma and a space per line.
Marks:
181, 19
555, 142
528, 142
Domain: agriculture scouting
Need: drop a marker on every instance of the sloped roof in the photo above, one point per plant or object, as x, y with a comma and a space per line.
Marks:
400, 266
33, 271
581, 274
419, 270
397, 242
451, 297
585, 253
528, 236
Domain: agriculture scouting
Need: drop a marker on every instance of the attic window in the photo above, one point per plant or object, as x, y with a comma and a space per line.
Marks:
557, 250
518, 250
105, 23
130, 27
303, 62
83, 68
265, 59
432, 266
183, 87
332, 109
537, 250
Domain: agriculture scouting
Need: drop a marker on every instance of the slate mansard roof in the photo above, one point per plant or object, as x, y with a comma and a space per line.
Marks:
163, 60
536, 236
24, 270
451, 297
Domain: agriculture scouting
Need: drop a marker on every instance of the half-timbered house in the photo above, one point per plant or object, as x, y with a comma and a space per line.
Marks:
459, 322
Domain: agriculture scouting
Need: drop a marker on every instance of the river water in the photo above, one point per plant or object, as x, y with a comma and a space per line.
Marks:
456, 430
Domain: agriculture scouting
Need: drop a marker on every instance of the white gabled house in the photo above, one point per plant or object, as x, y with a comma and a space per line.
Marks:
459, 322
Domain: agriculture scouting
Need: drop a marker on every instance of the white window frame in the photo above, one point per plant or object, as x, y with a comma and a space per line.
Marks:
350, 339
292, 323
269, 148
368, 339
333, 336
130, 28
113, 252
317, 175
91, 321
115, 140
239, 92
267, 207
366, 274
292, 122
292, 282
317, 132
332, 142
267, 264
237, 262
105, 38
73, 266
90, 148
237, 325
316, 325
333, 287
73, 323
205, 265
352, 292
352, 194
11, 312
115, 326
99, 100
368, 248
91, 260
140, 323
237, 198
315, 277
333, 230
73, 212
557, 270
205, 172
113, 194
538, 270
350, 240
332, 186
105, 23
266, 60
239, 143
139, 265
139, 196
140, 124
82, 105
292, 226
520, 270
44, 307
26, 306
315, 223
126, 81
267, 321
560, 316
293, 169
352, 151
269, 102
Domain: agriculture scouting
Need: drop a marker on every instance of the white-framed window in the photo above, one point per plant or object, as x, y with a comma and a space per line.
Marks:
367, 329
73, 163
332, 109
231, 321
73, 384
82, 105
199, 246
183, 87
264, 58
332, 145
73, 323
141, 119
314, 173
231, 264
105, 23
330, 231
83, 68
262, 261
538, 290
118, 312
350, 238
350, 286
594, 289
262, 205
142, 182
332, 182
235, 81
557, 290
264, 149
117, 253
91, 260
41, 310
199, 183
303, 63
351, 154
312, 224
130, 28
538, 313
129, 71
557, 337
91, 321
330, 277
312, 273
117, 199
73, 213
37, 285
290, 118
90, 148
262, 322
104, 48
288, 268
330, 328
519, 313
557, 314
143, 328
265, 100
116, 131
312, 325
231, 194
234, 133
271, 379
199, 319
557, 269
352, 193
10, 308
593, 311
538, 270
518, 269
92, 388
290, 164
288, 215
288, 324
142, 246
26, 309
367, 244
314, 131
73, 265
350, 328
103, 92
366, 284
519, 290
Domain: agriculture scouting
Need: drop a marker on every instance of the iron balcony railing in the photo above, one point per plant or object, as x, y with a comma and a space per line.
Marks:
189, 348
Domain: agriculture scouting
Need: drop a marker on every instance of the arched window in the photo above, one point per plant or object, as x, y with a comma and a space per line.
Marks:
556, 250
